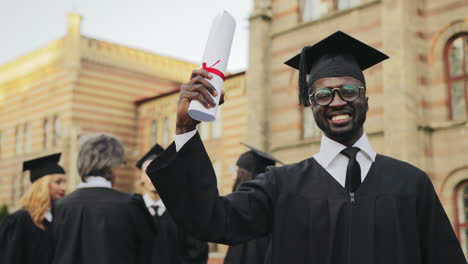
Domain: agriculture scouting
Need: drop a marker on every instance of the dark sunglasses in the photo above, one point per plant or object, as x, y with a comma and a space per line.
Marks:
324, 96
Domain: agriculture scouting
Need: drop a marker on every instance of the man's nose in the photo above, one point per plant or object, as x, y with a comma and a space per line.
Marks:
337, 101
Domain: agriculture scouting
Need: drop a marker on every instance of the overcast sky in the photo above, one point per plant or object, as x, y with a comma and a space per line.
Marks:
176, 28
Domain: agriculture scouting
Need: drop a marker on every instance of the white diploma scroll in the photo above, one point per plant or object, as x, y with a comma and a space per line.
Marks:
215, 60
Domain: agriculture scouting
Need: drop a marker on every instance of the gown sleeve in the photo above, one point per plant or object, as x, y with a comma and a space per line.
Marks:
187, 184
194, 251
11, 236
439, 243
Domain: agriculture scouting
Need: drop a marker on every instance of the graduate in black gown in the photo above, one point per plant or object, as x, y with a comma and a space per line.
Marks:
346, 204
172, 245
24, 235
249, 165
95, 223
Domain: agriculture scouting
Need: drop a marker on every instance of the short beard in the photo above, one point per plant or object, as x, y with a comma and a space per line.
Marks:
342, 136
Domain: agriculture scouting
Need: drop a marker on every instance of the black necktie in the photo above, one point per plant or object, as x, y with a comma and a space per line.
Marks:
353, 171
156, 216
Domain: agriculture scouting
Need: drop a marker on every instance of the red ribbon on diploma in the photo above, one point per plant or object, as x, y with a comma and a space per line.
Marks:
213, 70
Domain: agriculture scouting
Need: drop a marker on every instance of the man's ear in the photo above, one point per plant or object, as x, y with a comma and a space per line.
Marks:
367, 103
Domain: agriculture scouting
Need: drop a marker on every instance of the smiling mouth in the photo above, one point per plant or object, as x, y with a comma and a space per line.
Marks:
340, 117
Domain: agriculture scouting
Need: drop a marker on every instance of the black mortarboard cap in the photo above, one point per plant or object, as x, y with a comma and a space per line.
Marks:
155, 151
43, 166
337, 55
256, 161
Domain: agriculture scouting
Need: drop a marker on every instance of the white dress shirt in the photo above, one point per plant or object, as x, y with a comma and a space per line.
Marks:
329, 157
48, 216
95, 181
335, 163
150, 203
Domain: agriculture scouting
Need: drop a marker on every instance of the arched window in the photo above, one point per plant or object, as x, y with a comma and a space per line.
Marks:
46, 135
457, 76
57, 131
154, 132
165, 135
462, 215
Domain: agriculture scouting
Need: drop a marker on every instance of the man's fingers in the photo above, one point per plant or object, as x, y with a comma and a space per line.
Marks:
202, 73
221, 99
204, 82
195, 95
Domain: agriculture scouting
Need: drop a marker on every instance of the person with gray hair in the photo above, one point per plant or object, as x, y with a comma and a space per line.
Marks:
95, 223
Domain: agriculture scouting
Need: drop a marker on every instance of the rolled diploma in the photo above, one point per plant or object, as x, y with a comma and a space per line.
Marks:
215, 59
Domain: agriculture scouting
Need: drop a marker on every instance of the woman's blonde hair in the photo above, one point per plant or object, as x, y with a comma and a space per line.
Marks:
37, 199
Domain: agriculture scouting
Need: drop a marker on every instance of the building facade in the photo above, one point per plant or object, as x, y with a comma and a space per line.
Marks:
74, 86
418, 98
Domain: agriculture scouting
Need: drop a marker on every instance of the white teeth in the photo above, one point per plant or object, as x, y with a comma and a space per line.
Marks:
340, 117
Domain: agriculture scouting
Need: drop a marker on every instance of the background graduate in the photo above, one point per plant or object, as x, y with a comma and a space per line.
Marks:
249, 165
345, 204
172, 245
24, 237
95, 223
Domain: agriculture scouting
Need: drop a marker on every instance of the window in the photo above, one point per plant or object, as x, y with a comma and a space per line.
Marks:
203, 130
314, 9
462, 215
153, 132
457, 76
309, 127
27, 135
46, 135
343, 4
216, 127
165, 135
56, 130
310, 9
19, 140
218, 168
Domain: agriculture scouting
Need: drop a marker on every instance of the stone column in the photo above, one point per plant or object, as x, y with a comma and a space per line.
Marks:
400, 80
257, 77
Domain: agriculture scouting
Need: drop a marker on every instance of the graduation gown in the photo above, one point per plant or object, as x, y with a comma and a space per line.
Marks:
101, 225
252, 252
396, 216
22, 242
173, 246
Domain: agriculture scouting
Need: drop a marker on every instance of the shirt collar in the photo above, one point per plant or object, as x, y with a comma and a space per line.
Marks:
150, 202
48, 216
329, 149
95, 181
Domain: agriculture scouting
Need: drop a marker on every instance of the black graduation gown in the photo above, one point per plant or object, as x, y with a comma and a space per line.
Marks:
173, 246
101, 225
22, 242
396, 217
251, 252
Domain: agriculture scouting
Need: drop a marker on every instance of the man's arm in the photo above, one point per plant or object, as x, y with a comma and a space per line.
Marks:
187, 184
194, 251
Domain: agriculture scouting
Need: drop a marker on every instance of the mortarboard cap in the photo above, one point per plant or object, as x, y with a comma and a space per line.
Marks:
337, 55
256, 161
155, 151
43, 166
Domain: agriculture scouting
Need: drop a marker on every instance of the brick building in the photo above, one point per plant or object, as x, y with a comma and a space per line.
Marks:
73, 86
418, 98
78, 85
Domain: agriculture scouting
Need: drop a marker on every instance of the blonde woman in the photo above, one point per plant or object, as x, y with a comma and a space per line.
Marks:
23, 235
